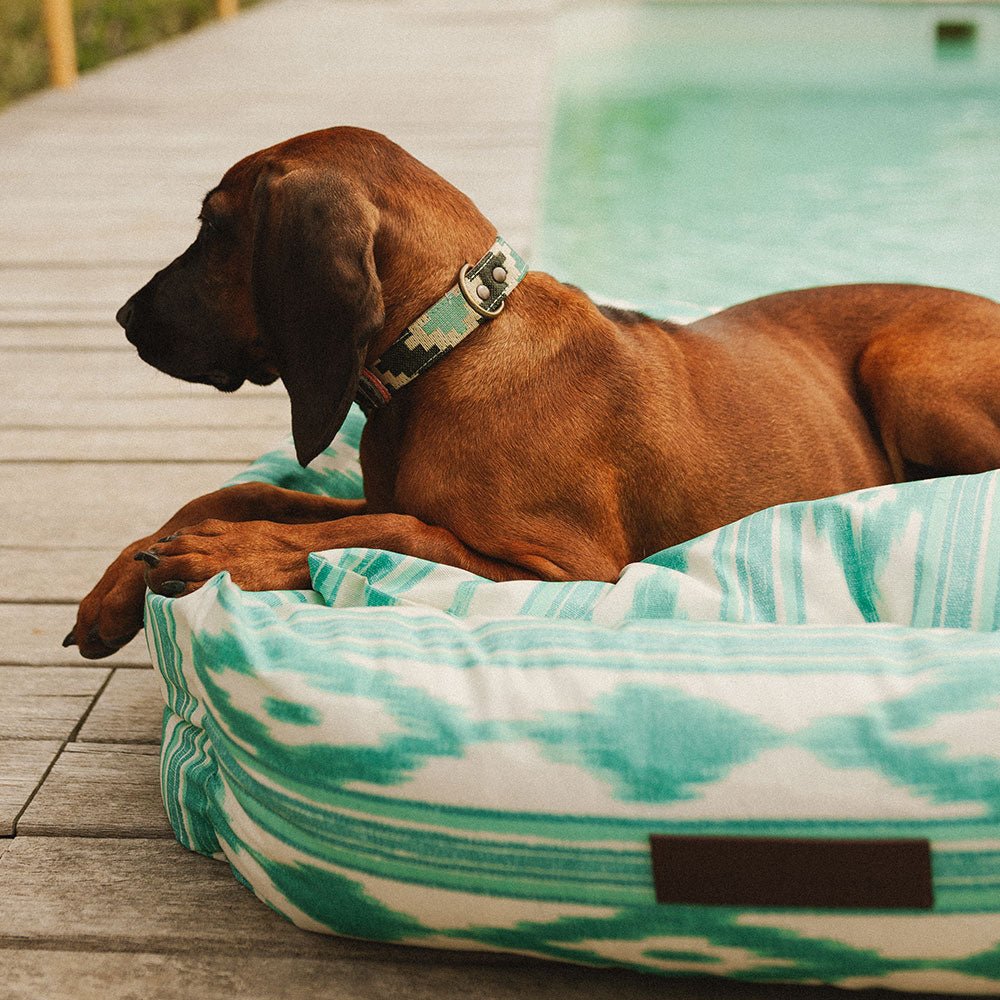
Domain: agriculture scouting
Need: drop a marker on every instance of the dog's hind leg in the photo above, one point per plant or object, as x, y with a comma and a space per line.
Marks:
935, 393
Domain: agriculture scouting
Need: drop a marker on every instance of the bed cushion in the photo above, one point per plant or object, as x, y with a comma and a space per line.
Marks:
410, 753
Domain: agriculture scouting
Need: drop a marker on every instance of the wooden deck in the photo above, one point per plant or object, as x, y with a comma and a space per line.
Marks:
101, 187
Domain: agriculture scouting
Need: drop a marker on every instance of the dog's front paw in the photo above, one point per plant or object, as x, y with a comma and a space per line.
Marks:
258, 555
180, 563
111, 614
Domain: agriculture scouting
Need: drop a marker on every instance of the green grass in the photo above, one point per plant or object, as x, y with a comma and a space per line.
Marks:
105, 29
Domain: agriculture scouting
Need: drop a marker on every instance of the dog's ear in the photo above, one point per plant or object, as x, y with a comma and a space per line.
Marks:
316, 294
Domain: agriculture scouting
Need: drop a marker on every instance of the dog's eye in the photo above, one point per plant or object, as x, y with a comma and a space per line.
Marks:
211, 231
213, 228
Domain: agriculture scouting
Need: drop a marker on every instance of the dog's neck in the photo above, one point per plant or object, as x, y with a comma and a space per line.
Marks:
477, 296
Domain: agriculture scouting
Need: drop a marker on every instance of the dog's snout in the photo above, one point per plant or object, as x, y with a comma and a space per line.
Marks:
124, 315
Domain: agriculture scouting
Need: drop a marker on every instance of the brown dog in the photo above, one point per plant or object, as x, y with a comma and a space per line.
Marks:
560, 440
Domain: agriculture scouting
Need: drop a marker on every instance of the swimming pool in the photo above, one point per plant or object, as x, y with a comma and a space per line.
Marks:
706, 154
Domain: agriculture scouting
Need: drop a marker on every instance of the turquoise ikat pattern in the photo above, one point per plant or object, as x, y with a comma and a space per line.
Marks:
410, 753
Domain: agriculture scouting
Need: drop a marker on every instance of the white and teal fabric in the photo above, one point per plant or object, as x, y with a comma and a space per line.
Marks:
410, 753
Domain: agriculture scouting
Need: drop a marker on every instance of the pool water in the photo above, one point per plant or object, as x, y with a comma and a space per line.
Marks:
704, 155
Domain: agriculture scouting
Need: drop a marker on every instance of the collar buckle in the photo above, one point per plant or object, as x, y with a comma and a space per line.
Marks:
481, 292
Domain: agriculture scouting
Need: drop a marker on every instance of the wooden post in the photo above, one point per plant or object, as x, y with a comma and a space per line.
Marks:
227, 8
61, 41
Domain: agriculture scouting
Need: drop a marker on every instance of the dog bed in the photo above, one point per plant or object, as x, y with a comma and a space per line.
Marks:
771, 753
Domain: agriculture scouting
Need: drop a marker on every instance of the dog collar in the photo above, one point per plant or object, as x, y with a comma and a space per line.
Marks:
478, 295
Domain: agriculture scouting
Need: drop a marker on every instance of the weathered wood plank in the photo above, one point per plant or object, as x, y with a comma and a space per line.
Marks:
62, 444
103, 505
129, 710
75, 975
111, 236
32, 635
41, 575
221, 943
155, 134
61, 337
183, 410
505, 198
48, 375
47, 702
156, 896
22, 765
105, 790
162, 122
136, 895
52, 290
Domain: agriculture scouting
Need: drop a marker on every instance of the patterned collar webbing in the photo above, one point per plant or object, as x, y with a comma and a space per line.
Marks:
478, 294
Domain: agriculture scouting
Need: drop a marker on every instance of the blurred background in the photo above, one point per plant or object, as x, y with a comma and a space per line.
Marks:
104, 29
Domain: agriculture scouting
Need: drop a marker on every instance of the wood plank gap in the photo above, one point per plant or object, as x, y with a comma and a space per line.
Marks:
127, 665
157, 428
41, 781
118, 461
129, 713
99, 834
106, 741
81, 662
90, 708
61, 322
40, 600
54, 547
360, 950
65, 349
72, 265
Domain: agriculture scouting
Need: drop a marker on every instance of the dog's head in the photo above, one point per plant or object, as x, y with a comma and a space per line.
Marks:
280, 282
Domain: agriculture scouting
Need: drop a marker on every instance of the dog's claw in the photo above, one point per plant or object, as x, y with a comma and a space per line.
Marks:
69, 640
171, 588
168, 538
96, 647
149, 558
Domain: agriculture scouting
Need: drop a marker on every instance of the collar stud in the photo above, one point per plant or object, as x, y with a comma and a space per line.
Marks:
479, 295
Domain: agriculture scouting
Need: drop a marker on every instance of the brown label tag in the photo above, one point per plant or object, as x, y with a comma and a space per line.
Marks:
793, 872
